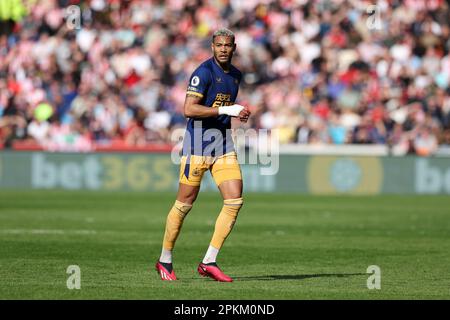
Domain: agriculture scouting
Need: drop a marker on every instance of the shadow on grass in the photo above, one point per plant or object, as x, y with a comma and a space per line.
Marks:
298, 276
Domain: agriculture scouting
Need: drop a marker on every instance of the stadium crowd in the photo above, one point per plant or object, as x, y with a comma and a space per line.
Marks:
322, 72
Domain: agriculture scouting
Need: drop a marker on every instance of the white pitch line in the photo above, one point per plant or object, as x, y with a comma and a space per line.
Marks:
47, 231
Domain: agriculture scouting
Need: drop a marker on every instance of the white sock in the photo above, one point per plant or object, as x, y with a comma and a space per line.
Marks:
166, 256
210, 255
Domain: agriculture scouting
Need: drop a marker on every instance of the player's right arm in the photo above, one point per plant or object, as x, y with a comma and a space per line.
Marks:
193, 109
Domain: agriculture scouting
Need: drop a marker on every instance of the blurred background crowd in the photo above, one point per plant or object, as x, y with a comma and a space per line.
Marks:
321, 72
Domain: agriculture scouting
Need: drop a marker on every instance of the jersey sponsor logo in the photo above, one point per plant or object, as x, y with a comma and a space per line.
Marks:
195, 81
223, 97
221, 100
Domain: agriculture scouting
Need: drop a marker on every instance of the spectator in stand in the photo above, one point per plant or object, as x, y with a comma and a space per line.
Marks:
312, 69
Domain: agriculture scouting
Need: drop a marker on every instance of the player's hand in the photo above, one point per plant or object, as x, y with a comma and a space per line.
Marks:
233, 110
244, 115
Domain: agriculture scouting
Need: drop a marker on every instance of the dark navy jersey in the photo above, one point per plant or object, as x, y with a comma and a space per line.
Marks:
216, 88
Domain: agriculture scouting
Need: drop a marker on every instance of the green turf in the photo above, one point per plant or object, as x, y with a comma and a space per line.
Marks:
282, 247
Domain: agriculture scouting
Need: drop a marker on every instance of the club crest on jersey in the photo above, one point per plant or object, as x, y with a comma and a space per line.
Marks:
219, 79
196, 172
195, 81
235, 81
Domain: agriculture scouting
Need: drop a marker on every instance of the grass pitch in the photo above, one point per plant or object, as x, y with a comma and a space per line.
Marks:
282, 247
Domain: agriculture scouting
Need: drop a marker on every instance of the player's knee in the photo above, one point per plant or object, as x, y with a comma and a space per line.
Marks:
182, 208
187, 194
233, 206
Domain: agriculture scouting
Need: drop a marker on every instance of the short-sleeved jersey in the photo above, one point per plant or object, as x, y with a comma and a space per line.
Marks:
216, 88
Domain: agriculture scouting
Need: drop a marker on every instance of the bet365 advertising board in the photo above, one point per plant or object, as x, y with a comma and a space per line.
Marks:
286, 173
